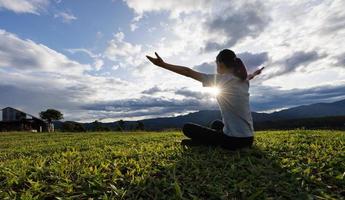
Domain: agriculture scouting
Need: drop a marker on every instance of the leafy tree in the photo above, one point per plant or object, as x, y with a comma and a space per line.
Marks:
51, 114
140, 125
70, 126
97, 126
121, 124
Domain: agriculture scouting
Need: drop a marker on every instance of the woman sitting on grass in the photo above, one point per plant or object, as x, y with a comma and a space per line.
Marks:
236, 128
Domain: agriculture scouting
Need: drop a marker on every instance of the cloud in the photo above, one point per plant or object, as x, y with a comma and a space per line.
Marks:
25, 6
333, 18
176, 8
248, 20
26, 55
97, 58
187, 93
98, 63
251, 61
301, 58
34, 77
184, 92
66, 17
118, 49
36, 91
264, 98
152, 90
340, 60
147, 106
293, 62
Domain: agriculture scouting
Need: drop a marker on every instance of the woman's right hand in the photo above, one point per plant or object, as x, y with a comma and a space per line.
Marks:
157, 61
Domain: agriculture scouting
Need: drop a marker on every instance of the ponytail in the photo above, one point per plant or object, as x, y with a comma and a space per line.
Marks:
228, 57
240, 69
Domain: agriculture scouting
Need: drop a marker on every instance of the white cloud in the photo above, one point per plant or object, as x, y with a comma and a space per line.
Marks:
277, 28
24, 6
98, 63
118, 49
26, 55
34, 77
175, 7
134, 26
66, 17
97, 58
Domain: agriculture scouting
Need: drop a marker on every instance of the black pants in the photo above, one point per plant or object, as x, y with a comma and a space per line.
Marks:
215, 136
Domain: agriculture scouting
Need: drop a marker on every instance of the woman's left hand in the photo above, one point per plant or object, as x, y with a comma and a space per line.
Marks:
157, 61
257, 72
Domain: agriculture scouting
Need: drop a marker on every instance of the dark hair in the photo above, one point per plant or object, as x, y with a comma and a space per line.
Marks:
230, 60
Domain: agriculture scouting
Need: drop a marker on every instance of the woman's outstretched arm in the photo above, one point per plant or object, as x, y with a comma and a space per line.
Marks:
185, 71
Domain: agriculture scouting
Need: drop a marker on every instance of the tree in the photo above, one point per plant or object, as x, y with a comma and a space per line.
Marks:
70, 126
97, 126
50, 115
121, 125
140, 125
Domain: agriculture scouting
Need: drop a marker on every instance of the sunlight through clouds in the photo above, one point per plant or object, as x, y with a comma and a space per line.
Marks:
96, 60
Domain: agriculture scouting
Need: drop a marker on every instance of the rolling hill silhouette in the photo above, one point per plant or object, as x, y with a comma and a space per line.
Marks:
205, 117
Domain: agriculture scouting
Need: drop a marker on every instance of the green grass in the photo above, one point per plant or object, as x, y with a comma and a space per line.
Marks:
295, 164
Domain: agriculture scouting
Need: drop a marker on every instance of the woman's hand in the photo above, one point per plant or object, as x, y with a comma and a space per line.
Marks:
257, 72
157, 61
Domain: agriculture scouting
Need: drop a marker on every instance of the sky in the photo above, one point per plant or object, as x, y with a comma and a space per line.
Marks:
87, 58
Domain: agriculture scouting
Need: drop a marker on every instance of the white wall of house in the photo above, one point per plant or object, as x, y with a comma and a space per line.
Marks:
0, 115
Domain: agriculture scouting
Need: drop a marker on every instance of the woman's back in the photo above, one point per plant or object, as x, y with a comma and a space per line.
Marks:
233, 103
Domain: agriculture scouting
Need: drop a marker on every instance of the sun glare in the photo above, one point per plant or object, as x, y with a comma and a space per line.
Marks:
215, 91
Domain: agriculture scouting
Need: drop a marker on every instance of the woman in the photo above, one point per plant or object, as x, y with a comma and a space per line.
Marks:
236, 128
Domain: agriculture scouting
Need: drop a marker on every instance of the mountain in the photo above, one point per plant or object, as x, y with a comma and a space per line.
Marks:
313, 110
205, 117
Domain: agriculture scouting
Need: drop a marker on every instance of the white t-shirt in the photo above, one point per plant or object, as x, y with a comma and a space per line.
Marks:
233, 102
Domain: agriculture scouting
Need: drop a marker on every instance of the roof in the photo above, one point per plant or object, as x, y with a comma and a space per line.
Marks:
25, 113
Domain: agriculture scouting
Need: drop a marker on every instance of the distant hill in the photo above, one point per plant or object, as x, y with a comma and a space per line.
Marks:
313, 110
205, 117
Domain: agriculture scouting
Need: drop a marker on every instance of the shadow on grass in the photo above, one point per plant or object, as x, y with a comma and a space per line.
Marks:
202, 172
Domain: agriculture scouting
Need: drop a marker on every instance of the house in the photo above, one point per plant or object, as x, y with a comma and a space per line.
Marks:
16, 120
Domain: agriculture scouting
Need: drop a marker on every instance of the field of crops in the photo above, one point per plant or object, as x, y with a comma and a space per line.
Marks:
296, 164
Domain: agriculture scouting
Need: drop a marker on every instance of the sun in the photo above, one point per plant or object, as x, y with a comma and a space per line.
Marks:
215, 91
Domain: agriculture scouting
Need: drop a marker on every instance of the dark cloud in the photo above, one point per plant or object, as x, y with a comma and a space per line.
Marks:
294, 61
142, 103
262, 98
251, 60
191, 94
300, 58
152, 90
340, 60
247, 21
268, 98
35, 100
184, 91
147, 107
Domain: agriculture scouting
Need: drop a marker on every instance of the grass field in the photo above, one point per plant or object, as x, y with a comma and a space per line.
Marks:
296, 164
